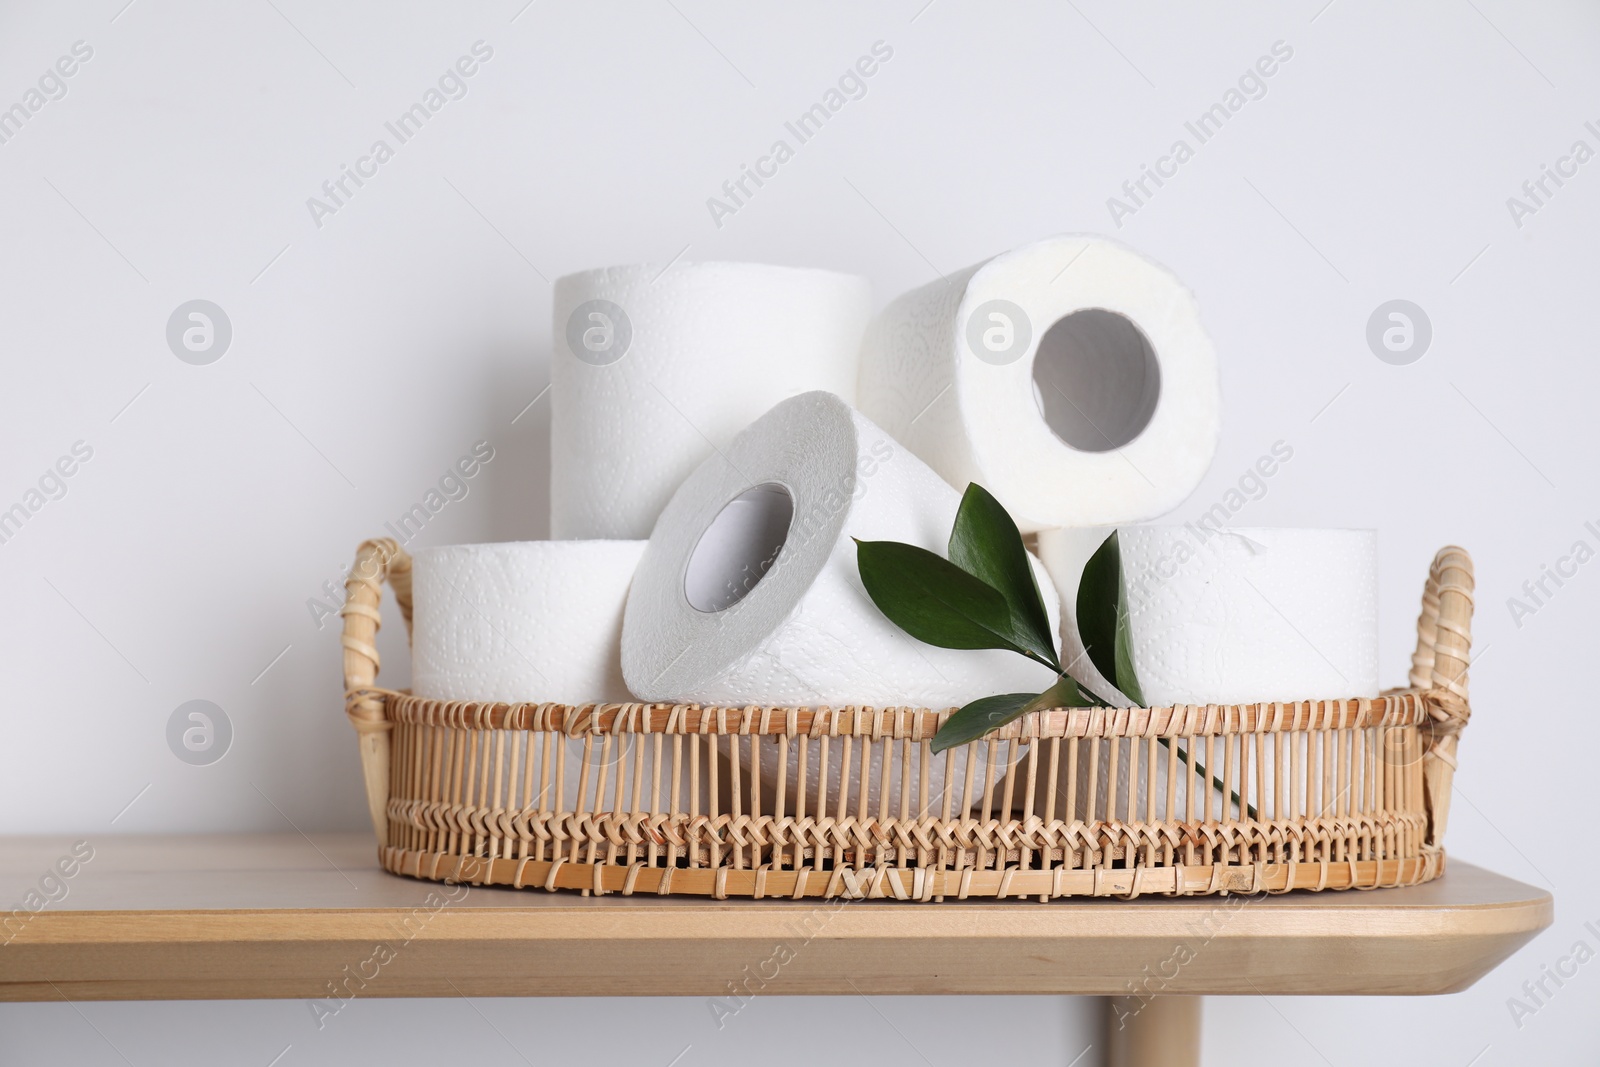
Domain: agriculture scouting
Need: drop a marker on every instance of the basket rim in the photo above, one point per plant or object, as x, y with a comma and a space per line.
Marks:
1394, 708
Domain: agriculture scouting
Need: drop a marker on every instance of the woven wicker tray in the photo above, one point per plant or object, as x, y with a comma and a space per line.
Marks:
653, 798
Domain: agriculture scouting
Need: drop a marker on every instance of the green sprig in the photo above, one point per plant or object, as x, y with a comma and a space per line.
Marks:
985, 596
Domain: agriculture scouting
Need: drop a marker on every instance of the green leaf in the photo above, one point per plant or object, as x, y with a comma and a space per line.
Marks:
1098, 592
979, 717
932, 599
990, 713
986, 543
1066, 693
1103, 621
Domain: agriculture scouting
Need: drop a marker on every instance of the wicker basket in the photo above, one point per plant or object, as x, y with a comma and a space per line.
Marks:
1333, 794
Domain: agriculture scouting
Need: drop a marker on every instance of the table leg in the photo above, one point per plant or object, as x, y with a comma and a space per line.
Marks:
1153, 1031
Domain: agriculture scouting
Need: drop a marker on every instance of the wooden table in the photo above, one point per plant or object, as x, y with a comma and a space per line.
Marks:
219, 917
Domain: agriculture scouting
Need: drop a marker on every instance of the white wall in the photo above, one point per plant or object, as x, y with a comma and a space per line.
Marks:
372, 350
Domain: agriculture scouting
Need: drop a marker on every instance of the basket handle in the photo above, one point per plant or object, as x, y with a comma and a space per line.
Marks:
1439, 668
376, 560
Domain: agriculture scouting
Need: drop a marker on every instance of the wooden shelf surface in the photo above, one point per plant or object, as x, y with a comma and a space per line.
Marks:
247, 916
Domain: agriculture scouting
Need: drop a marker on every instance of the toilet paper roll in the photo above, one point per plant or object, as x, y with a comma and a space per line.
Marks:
1070, 377
521, 621
1234, 616
749, 591
653, 368
542, 621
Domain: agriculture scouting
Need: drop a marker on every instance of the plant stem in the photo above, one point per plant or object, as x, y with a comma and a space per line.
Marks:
1040, 659
1199, 768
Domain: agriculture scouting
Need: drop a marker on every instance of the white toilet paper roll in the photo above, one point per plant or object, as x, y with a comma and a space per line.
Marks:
749, 591
521, 621
655, 367
1070, 377
1234, 616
